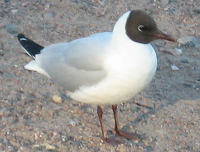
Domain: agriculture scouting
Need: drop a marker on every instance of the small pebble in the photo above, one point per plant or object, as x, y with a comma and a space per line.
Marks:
47, 6
73, 123
184, 61
174, 68
146, 143
46, 146
171, 10
196, 10
186, 85
11, 28
164, 2
49, 147
175, 51
57, 99
49, 16
14, 11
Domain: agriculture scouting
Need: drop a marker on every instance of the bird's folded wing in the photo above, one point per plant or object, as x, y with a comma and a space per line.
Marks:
78, 63
88, 53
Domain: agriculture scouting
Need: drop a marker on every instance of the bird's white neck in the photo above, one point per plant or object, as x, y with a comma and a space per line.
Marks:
119, 31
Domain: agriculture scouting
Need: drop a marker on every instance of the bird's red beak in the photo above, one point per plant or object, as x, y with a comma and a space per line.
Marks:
161, 35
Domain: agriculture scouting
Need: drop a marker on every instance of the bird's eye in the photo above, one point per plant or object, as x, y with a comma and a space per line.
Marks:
142, 28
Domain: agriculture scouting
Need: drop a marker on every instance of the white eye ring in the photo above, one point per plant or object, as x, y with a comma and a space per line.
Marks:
140, 27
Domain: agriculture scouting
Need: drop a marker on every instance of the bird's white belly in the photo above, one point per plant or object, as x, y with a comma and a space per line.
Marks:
127, 76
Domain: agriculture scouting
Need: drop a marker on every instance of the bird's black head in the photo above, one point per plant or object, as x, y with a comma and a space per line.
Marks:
140, 27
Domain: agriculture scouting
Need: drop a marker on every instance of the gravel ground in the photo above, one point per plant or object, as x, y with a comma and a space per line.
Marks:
31, 121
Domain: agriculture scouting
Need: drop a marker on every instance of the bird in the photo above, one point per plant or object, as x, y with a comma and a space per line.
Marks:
105, 68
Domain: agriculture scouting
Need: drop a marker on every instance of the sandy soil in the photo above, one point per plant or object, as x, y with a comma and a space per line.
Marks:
31, 121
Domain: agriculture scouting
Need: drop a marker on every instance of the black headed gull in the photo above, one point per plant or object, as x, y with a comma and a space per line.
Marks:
104, 68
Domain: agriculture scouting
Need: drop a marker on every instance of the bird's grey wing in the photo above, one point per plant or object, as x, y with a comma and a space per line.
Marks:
88, 53
78, 63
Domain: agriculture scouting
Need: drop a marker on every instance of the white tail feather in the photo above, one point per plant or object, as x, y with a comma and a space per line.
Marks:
34, 67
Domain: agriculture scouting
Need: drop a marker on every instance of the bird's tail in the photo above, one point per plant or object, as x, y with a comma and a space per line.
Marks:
29, 46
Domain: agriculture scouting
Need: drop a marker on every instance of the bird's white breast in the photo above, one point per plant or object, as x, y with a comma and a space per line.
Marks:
130, 69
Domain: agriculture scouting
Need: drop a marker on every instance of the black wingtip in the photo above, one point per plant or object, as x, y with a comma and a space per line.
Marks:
29, 46
19, 36
22, 39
